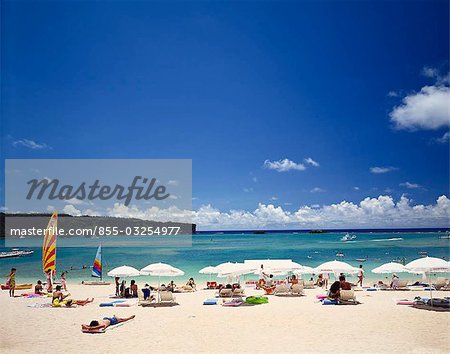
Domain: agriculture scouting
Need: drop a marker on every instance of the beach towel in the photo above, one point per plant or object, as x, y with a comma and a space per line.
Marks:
210, 302
47, 305
233, 303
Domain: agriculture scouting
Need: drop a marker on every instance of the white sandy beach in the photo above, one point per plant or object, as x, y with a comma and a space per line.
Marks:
295, 324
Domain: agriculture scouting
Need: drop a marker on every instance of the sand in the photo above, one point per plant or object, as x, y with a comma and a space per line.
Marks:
284, 325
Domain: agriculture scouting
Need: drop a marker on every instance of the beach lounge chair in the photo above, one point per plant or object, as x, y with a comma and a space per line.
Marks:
281, 290
141, 301
297, 290
211, 285
347, 295
226, 292
308, 284
441, 283
402, 285
166, 297
238, 292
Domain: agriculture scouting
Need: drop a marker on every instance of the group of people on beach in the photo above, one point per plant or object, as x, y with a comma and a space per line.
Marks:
132, 291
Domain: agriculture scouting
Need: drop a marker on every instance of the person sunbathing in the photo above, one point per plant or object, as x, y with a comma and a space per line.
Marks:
269, 285
133, 289
38, 288
335, 290
59, 299
191, 283
99, 326
345, 285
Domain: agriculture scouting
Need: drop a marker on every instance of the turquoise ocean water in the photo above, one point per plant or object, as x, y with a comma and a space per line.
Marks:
212, 249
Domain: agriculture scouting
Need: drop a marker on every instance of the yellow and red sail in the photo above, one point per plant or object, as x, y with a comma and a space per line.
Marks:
49, 245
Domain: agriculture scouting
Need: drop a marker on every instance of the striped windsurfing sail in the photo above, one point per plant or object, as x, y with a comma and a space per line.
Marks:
49, 245
97, 268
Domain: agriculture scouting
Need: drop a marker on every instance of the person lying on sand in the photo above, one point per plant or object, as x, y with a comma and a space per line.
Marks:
59, 299
101, 325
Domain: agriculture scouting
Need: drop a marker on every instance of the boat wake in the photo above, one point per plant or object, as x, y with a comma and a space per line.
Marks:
388, 239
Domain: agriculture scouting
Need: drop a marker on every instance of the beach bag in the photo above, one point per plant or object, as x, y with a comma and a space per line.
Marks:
256, 300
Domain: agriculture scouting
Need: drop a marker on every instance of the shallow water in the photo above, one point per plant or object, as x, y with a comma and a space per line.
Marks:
212, 249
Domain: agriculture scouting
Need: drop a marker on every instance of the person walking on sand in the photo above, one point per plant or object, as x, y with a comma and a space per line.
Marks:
12, 281
360, 276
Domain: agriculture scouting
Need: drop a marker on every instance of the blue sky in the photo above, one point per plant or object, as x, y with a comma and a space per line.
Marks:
231, 85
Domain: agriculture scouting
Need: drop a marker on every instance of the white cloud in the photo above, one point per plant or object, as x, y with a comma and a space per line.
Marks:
445, 139
392, 94
254, 179
427, 109
75, 201
410, 185
71, 210
317, 190
173, 183
381, 212
311, 162
248, 190
430, 72
287, 203
30, 144
356, 188
283, 165
274, 198
378, 170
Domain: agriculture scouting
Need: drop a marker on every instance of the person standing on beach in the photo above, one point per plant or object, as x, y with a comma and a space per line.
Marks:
325, 278
262, 276
360, 275
12, 281
117, 286
63, 281
49, 284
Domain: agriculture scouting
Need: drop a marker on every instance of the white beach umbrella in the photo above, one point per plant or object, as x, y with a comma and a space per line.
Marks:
123, 272
208, 270
304, 270
390, 267
161, 270
428, 265
234, 269
273, 266
336, 267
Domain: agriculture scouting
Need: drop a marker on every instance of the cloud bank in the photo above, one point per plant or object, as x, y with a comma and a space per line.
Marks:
380, 212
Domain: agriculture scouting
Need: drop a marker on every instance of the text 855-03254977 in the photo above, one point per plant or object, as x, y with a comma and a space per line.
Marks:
138, 231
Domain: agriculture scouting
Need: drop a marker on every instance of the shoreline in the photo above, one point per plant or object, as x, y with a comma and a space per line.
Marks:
294, 324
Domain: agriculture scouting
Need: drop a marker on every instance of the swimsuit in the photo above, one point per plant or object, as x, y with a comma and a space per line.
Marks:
12, 281
113, 320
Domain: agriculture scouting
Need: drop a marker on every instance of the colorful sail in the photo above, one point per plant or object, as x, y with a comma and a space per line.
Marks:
49, 245
97, 268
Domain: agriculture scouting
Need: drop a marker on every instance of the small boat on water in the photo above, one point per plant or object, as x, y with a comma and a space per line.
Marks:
361, 259
339, 254
16, 253
97, 270
445, 237
348, 237
423, 253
